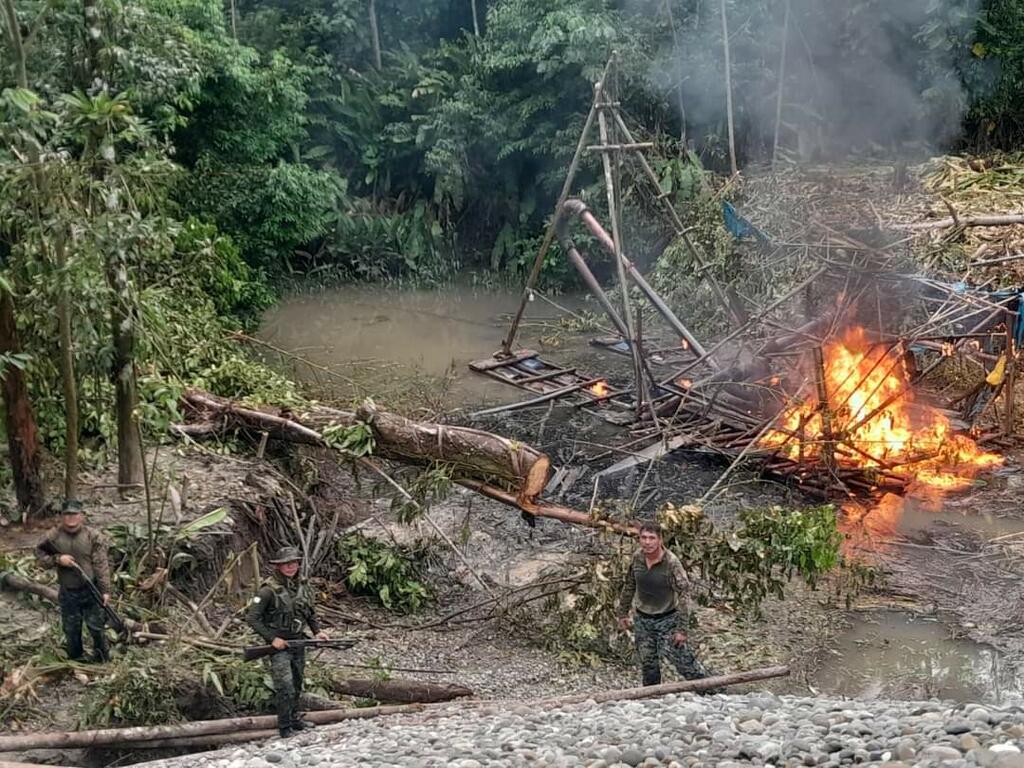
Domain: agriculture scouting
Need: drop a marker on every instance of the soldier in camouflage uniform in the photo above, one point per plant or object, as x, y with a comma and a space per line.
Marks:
278, 613
659, 592
78, 552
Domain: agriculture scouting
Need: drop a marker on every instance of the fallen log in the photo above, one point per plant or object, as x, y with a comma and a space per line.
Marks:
999, 220
147, 733
399, 691
546, 509
232, 729
473, 453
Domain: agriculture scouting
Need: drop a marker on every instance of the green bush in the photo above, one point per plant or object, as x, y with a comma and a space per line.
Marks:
386, 573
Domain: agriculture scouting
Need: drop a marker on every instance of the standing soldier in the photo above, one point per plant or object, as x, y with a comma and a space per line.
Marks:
659, 591
278, 613
79, 553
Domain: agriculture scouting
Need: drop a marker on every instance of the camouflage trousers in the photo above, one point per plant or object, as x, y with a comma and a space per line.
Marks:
78, 606
287, 669
653, 637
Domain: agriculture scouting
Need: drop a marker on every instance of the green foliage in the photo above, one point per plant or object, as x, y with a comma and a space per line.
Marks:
135, 691
386, 573
430, 485
756, 559
356, 440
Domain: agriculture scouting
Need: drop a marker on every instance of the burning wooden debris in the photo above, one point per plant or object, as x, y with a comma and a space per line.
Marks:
831, 406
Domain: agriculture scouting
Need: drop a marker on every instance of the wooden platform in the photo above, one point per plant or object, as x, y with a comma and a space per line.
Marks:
527, 370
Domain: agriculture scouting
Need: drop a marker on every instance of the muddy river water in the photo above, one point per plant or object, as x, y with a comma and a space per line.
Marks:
383, 339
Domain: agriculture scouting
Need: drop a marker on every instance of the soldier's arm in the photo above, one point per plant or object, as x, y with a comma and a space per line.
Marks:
257, 610
628, 590
684, 591
46, 555
313, 621
101, 563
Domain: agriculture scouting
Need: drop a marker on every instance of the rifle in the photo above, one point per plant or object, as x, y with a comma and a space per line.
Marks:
254, 652
115, 621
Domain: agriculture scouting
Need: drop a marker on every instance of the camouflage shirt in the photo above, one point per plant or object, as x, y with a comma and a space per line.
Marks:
656, 590
88, 548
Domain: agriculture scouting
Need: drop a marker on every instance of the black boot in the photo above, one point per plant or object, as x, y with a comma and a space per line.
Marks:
100, 648
302, 725
286, 732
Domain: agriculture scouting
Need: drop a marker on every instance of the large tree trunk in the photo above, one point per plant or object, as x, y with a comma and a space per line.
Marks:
130, 465
22, 434
473, 453
399, 691
67, 374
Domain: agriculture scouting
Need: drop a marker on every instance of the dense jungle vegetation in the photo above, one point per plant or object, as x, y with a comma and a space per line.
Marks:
164, 163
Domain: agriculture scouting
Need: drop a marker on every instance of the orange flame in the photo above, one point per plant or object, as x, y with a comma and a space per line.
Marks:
872, 410
599, 388
685, 383
684, 344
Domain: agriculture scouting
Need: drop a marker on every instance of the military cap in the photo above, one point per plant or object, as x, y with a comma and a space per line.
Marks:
71, 507
286, 555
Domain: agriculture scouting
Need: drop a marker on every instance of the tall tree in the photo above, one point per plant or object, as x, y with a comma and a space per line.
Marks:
22, 433
100, 152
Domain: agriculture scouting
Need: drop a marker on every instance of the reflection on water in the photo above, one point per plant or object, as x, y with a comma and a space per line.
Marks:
890, 654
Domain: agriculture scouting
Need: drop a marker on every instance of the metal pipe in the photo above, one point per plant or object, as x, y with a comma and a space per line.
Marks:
561, 227
579, 208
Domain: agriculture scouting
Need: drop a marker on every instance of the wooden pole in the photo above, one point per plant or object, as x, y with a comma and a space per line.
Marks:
782, 85
728, 91
549, 236
613, 211
678, 225
476, 21
234, 20
1011, 371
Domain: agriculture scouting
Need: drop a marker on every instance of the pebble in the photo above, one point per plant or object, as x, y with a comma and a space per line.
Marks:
684, 731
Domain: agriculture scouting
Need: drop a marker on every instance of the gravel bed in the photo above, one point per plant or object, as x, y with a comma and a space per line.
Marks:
683, 730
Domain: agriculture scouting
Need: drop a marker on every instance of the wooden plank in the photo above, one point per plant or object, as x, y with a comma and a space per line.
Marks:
549, 375
490, 363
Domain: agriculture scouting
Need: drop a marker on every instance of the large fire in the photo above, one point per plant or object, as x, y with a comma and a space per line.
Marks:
599, 388
874, 421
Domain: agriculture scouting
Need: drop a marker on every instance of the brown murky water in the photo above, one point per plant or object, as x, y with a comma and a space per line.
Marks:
892, 654
382, 338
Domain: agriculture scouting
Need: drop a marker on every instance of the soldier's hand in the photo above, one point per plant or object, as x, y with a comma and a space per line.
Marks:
626, 622
322, 636
679, 639
66, 560
106, 599
279, 643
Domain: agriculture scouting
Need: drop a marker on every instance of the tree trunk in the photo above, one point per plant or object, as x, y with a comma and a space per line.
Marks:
728, 91
399, 691
67, 374
375, 36
22, 434
231, 728
17, 46
93, 42
130, 466
476, 21
472, 452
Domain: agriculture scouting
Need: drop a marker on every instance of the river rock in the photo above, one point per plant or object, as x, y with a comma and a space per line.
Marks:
940, 753
956, 727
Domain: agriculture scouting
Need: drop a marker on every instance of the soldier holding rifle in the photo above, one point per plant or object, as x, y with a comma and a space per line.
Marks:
278, 613
79, 553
